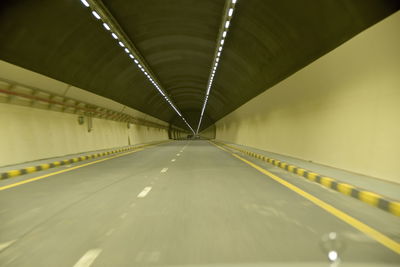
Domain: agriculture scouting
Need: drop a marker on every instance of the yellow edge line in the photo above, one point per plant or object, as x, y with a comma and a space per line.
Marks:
362, 227
65, 170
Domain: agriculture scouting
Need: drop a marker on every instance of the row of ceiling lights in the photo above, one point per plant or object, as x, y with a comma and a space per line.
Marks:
136, 61
220, 46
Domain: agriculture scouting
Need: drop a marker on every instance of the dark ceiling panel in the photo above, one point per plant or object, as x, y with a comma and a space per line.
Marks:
268, 41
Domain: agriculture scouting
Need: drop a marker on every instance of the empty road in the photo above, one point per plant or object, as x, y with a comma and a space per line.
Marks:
183, 203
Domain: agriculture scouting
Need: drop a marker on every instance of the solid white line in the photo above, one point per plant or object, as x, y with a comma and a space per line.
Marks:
164, 170
144, 192
6, 244
173, 160
88, 258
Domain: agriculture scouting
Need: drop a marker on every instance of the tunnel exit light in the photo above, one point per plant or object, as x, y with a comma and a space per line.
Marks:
220, 42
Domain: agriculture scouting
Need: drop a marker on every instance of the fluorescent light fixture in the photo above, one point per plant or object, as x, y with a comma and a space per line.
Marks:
106, 26
97, 16
227, 24
85, 3
224, 26
116, 36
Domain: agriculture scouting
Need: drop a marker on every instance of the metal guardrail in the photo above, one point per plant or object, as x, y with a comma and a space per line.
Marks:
20, 94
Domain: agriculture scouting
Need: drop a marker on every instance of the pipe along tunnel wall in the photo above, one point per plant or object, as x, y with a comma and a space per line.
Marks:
342, 110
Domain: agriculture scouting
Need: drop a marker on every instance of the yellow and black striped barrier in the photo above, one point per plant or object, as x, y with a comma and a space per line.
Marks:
45, 166
368, 197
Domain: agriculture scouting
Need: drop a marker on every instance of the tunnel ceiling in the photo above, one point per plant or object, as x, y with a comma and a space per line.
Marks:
268, 40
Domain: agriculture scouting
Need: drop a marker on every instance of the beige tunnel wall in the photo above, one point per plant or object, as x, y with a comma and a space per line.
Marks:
343, 110
209, 133
29, 134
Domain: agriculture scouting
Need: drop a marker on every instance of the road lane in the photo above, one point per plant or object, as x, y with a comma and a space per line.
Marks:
207, 208
222, 212
33, 211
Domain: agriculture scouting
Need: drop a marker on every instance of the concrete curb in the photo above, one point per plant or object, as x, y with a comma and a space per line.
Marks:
45, 166
368, 197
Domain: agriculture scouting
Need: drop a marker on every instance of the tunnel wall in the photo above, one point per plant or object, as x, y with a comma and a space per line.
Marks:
343, 110
29, 134
176, 134
209, 133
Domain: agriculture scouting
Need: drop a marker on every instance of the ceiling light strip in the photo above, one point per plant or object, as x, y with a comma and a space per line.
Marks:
100, 12
223, 32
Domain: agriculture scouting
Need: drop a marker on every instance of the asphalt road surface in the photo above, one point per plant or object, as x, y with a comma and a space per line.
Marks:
184, 203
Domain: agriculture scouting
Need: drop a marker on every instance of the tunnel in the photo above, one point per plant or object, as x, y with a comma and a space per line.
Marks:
199, 133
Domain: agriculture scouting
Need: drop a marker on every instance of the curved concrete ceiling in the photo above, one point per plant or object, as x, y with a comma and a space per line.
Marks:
268, 40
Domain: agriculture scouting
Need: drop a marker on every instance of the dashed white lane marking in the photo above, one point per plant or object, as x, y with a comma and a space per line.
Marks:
110, 232
133, 205
173, 160
123, 215
6, 244
88, 258
164, 170
144, 192
178, 154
